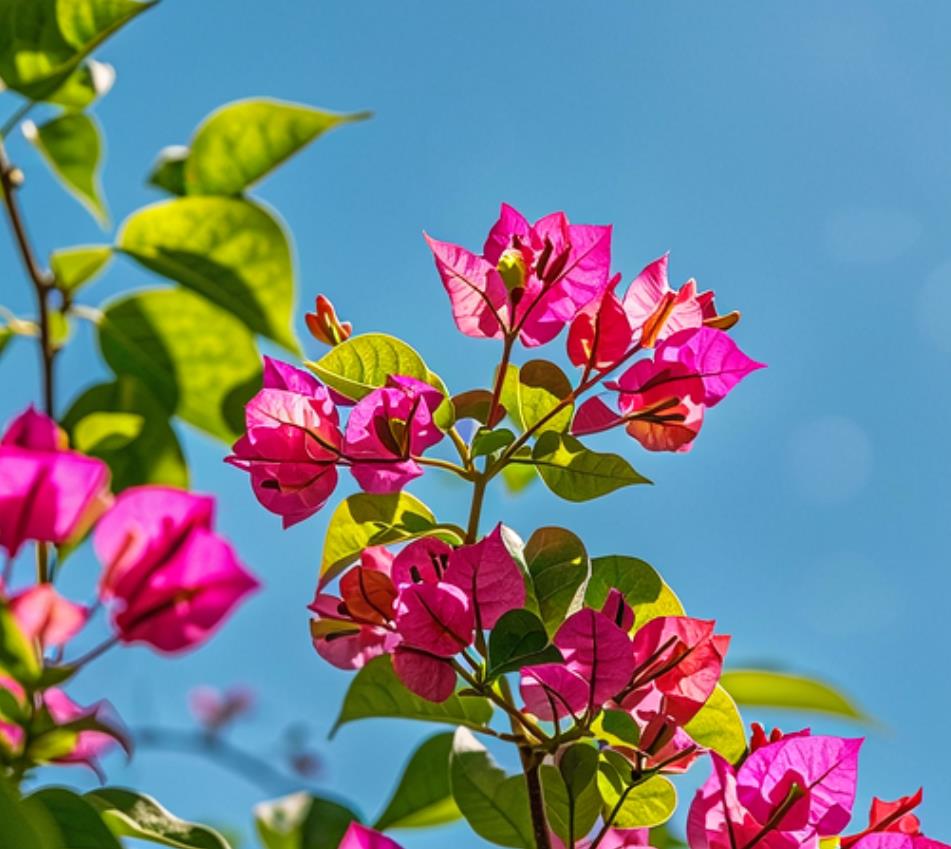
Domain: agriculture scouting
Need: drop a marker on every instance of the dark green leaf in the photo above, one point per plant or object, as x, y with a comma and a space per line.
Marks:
542, 386
84, 86
519, 639
78, 822
765, 688
197, 360
168, 173
573, 810
718, 726
559, 566
71, 146
638, 582
131, 814
241, 142
473, 404
423, 797
74, 267
25, 825
6, 334
18, 658
495, 805
617, 727
489, 441
302, 821
377, 692
576, 473
229, 250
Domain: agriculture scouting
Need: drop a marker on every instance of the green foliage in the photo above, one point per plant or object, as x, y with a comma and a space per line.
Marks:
643, 805
376, 692
230, 250
75, 267
640, 584
84, 86
243, 141
131, 814
542, 386
576, 473
487, 442
559, 566
302, 821
519, 639
423, 796
198, 361
719, 726
168, 173
18, 658
572, 800
769, 689
77, 820
494, 804
72, 147
25, 825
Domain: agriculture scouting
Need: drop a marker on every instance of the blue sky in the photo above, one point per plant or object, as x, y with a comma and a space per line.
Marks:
794, 157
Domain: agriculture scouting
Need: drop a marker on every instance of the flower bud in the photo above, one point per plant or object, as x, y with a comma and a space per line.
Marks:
324, 325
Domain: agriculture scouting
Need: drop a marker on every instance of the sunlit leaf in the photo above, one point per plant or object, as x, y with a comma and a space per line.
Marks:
719, 726
302, 821
576, 473
639, 583
542, 387
90, 81
559, 566
168, 173
18, 658
74, 267
641, 806
769, 689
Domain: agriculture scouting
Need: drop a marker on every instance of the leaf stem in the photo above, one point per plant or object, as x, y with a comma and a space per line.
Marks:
475, 511
42, 563
500, 379
10, 124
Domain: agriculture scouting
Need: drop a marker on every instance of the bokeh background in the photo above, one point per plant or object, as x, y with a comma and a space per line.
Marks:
793, 156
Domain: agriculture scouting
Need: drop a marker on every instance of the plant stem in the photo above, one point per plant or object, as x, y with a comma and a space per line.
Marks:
500, 379
10, 124
93, 653
42, 282
475, 511
531, 764
514, 714
42, 563
436, 463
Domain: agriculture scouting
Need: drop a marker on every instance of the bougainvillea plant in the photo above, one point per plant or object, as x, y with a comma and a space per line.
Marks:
587, 667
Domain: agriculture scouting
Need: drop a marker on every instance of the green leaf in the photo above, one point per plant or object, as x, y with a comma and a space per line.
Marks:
11, 709
101, 422
645, 805
571, 809
197, 360
495, 805
473, 404
487, 441
26, 825
377, 692
168, 173
84, 86
639, 583
366, 519
74, 267
719, 726
72, 147
423, 797
231, 251
509, 396
77, 821
42, 42
541, 388
363, 363
519, 639
617, 728
241, 142
6, 334
559, 566
576, 473
302, 821
765, 688
518, 476
131, 814
18, 658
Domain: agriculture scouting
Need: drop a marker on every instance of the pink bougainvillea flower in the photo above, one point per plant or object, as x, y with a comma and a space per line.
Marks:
428, 676
387, 429
292, 443
11, 734
896, 840
784, 795
601, 334
654, 310
617, 609
759, 738
89, 745
599, 662
711, 317
530, 280
170, 579
713, 356
324, 325
360, 837
892, 825
44, 615
614, 838
423, 560
490, 577
215, 709
47, 493
435, 618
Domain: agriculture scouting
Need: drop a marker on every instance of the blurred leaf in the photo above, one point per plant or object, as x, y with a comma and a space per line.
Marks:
423, 797
90, 81
71, 146
509, 396
662, 838
18, 658
518, 476
576, 808
78, 822
367, 519
241, 142
719, 726
231, 251
644, 805
541, 387
61, 329
6, 334
765, 688
377, 692
25, 825
42, 42
519, 639
197, 360
639, 583
151, 456
489, 441
559, 566
494, 804
131, 814
74, 267
168, 173
302, 821
576, 473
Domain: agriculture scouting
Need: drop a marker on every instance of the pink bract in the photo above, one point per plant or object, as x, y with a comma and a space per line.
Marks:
360, 837
656, 311
435, 618
44, 615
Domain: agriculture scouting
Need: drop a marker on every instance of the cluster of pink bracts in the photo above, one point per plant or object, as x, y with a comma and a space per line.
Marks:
167, 578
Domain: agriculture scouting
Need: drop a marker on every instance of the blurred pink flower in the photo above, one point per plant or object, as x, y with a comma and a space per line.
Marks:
44, 615
360, 837
89, 745
216, 709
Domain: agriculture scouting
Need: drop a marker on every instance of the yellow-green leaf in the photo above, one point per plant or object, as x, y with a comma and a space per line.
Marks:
576, 473
765, 688
719, 726
74, 267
